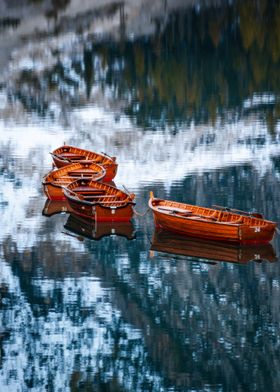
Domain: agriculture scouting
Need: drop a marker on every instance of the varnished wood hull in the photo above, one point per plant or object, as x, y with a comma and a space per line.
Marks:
113, 205
100, 213
53, 192
96, 230
66, 155
176, 244
55, 180
251, 231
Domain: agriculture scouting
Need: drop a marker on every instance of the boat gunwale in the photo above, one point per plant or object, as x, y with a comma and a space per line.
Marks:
74, 196
110, 160
101, 203
49, 178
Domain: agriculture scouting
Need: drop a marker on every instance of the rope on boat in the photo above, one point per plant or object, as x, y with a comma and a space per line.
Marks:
139, 213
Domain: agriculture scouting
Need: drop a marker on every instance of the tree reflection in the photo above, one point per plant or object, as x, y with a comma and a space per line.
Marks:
57, 6
201, 66
105, 316
197, 66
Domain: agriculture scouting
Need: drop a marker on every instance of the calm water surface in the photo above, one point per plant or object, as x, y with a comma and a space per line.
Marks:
190, 107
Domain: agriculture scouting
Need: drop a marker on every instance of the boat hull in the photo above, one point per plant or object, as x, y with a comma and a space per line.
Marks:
54, 192
204, 227
98, 201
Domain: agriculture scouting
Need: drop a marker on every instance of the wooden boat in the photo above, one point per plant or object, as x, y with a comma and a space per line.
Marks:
55, 180
87, 228
212, 223
53, 207
99, 201
66, 155
210, 251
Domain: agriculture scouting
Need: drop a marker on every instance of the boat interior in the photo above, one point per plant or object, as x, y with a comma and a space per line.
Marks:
88, 193
207, 214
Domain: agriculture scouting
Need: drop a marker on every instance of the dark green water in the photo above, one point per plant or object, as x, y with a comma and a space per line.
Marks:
191, 110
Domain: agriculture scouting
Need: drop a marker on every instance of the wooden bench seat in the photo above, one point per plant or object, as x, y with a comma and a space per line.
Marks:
70, 155
99, 196
187, 213
88, 189
174, 209
83, 173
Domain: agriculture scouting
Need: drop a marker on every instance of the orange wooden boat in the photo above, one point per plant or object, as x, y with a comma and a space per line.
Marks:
99, 201
212, 223
211, 251
55, 180
66, 155
84, 227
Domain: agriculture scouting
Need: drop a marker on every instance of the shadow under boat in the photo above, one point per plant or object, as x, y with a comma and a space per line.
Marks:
53, 207
79, 226
167, 242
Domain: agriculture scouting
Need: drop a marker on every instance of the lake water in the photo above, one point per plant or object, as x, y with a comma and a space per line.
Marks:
187, 99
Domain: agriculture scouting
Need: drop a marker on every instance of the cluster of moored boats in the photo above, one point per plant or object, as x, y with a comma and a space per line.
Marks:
81, 178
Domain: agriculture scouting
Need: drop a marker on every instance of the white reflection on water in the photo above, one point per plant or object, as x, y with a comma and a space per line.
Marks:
259, 99
83, 323
163, 156
62, 337
145, 157
82, 317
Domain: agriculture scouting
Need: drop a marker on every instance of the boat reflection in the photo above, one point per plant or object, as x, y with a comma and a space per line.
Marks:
87, 228
167, 242
53, 207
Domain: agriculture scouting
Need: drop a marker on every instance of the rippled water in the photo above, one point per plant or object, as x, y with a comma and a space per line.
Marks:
187, 98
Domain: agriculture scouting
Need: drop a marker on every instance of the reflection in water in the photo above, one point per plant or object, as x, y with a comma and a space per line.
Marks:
199, 67
78, 333
163, 327
57, 6
7, 22
164, 241
53, 207
102, 315
97, 230
203, 65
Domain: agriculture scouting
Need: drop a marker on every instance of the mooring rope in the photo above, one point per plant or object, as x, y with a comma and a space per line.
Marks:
139, 213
